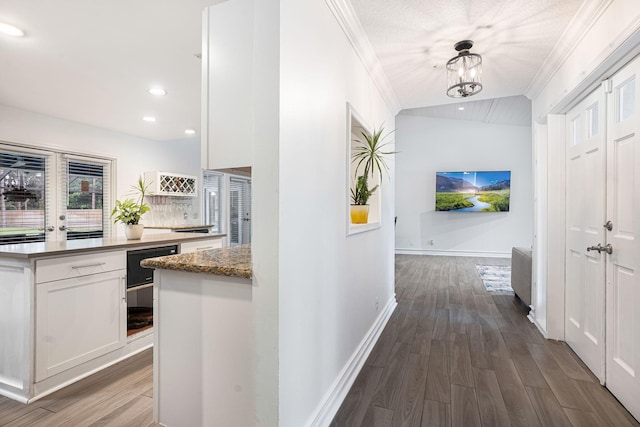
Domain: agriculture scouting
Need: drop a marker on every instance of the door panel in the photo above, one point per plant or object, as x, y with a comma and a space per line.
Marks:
79, 319
585, 274
623, 209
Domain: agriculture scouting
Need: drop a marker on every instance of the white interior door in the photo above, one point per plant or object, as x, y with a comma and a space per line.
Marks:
585, 269
622, 265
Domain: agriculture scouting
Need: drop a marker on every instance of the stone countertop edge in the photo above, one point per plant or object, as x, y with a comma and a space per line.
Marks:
232, 261
177, 227
28, 251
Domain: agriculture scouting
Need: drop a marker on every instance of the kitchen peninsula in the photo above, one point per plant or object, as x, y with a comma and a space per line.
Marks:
63, 309
204, 338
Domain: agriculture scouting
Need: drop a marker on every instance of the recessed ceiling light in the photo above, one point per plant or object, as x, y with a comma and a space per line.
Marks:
190, 131
461, 108
10, 30
157, 91
149, 119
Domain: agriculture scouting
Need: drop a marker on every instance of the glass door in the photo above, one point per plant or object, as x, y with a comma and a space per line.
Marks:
86, 193
239, 211
48, 196
23, 190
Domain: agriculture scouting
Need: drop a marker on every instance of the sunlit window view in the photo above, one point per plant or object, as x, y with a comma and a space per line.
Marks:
84, 200
22, 200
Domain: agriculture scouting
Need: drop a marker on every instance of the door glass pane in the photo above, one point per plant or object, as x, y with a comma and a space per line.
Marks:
626, 99
592, 116
212, 187
22, 204
575, 131
239, 211
85, 197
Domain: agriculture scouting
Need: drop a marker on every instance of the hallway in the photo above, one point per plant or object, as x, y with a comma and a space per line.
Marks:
453, 354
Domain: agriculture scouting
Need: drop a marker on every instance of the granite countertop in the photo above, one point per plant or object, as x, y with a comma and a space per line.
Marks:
233, 261
70, 247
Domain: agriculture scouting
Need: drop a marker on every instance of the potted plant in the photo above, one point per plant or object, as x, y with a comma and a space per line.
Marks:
130, 211
360, 196
368, 154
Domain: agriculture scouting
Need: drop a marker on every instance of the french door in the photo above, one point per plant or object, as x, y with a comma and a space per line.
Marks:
585, 208
623, 263
602, 312
239, 210
51, 196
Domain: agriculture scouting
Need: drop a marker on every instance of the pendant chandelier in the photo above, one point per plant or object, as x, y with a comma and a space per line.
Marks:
464, 72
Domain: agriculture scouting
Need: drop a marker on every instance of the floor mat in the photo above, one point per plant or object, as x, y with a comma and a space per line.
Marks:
496, 278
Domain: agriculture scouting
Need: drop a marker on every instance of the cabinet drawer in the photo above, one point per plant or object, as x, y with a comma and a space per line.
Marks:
48, 270
200, 245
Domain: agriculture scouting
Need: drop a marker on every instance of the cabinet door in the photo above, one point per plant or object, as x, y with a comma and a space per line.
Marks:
79, 319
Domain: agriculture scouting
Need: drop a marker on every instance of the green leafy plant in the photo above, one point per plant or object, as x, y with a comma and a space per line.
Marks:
130, 210
369, 151
361, 193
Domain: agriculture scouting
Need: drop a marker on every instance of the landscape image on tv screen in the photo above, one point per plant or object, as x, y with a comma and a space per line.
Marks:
473, 191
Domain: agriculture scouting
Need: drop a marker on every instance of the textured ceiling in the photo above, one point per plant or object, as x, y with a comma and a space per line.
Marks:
511, 110
414, 39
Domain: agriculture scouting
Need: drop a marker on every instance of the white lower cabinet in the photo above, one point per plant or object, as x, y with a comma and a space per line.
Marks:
79, 319
200, 245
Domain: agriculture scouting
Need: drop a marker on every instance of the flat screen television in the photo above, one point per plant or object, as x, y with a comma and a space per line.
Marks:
473, 191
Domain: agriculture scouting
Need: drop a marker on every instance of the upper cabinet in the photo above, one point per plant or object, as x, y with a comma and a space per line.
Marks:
227, 85
170, 184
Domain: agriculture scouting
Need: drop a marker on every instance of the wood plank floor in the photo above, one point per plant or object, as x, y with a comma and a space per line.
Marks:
451, 355
454, 355
120, 395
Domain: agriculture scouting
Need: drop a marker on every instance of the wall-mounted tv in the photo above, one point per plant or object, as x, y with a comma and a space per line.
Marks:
473, 191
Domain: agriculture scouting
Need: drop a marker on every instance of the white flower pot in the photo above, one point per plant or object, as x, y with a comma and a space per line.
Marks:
133, 231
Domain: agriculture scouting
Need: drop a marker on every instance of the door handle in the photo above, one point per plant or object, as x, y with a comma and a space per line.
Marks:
608, 249
51, 228
62, 228
608, 225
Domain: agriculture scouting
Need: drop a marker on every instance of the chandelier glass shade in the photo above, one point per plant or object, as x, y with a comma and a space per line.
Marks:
464, 72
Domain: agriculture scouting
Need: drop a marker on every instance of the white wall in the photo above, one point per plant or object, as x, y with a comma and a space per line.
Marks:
429, 145
329, 283
134, 155
610, 37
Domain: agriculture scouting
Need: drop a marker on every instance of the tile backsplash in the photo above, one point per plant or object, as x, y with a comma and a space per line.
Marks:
171, 210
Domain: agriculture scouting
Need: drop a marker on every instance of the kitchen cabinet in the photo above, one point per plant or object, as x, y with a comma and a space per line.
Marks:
79, 319
228, 85
171, 184
63, 311
81, 310
200, 245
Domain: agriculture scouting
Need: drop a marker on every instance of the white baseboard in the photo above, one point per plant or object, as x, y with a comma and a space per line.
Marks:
332, 400
451, 252
542, 330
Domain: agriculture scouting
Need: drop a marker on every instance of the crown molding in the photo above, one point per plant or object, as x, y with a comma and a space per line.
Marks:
580, 25
347, 19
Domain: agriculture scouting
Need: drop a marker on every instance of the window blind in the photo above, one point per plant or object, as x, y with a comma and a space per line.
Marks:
212, 191
86, 197
239, 211
22, 203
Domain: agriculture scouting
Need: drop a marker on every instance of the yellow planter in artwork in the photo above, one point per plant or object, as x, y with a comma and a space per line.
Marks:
359, 214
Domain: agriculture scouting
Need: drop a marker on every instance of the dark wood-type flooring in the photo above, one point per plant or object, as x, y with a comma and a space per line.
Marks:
453, 354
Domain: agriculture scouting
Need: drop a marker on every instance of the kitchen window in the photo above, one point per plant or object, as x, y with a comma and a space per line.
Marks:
52, 196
